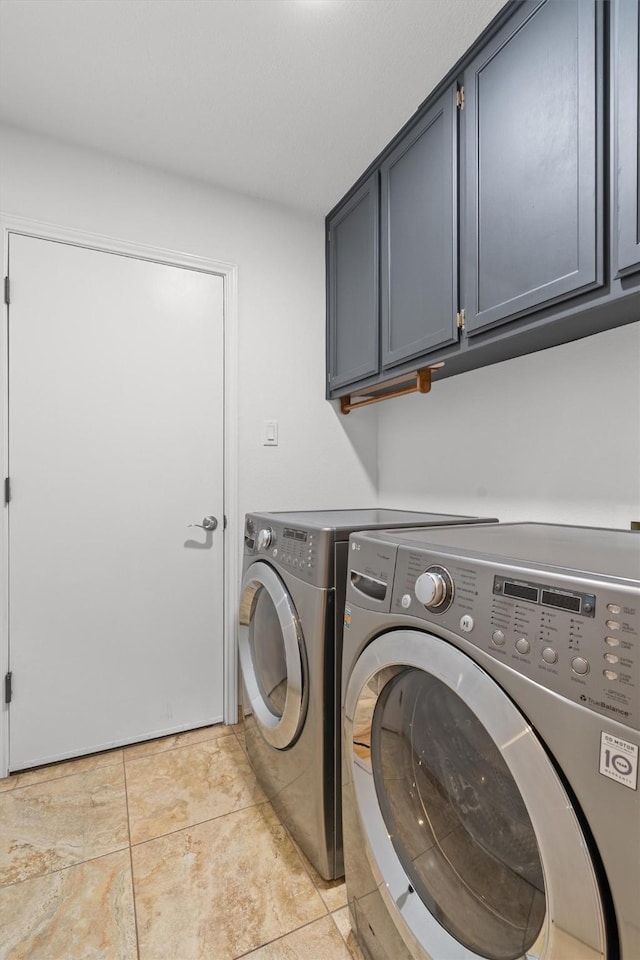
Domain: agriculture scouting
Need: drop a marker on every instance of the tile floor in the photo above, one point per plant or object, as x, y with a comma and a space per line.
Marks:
165, 849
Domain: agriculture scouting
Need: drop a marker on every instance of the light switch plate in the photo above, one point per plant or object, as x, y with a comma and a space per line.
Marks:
270, 433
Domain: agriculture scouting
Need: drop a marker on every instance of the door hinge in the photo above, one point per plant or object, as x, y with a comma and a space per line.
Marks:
8, 691
7, 296
460, 98
7, 489
460, 319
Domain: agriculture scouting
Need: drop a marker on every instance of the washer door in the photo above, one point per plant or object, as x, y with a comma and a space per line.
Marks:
272, 656
470, 835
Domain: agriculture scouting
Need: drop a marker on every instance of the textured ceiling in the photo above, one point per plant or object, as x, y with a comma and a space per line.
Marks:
289, 100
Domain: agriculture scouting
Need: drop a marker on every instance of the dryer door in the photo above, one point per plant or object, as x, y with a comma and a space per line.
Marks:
272, 655
469, 833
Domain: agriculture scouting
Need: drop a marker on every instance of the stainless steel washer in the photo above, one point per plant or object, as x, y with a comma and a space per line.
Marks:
491, 736
290, 643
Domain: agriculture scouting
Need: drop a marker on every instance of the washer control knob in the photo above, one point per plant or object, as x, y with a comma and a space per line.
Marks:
265, 537
580, 666
549, 655
434, 589
523, 646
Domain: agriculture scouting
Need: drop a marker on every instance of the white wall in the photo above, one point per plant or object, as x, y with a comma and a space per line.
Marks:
323, 460
553, 436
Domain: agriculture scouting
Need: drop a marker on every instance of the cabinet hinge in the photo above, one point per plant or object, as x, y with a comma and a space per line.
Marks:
460, 320
460, 98
8, 689
7, 297
7, 489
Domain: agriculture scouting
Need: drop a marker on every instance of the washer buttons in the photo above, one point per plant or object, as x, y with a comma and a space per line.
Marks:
498, 638
610, 674
612, 641
613, 625
611, 658
275, 552
522, 645
549, 655
406, 600
580, 666
466, 623
613, 608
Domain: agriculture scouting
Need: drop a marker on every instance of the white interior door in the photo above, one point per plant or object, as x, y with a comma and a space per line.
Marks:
115, 446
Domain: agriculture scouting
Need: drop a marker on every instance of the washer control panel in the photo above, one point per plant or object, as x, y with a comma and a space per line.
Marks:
579, 637
304, 553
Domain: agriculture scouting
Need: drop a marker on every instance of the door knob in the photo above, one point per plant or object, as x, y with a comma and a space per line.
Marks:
209, 523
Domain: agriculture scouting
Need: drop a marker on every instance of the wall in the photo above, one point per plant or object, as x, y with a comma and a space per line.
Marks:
280, 258
553, 436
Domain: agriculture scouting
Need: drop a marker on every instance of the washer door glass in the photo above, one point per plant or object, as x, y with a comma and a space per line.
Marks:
456, 817
272, 655
470, 836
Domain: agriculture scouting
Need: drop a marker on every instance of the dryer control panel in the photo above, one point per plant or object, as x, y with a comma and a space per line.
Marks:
578, 637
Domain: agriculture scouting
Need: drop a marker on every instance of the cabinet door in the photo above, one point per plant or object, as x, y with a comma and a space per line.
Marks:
533, 170
418, 247
353, 315
626, 58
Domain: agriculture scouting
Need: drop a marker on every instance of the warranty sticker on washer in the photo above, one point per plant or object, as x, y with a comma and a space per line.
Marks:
619, 760
347, 618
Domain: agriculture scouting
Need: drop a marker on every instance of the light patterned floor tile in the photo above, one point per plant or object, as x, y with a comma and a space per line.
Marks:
51, 825
82, 913
64, 769
342, 921
174, 740
317, 941
181, 787
221, 888
333, 892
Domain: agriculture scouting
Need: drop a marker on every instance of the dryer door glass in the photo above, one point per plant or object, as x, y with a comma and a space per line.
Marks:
272, 655
456, 817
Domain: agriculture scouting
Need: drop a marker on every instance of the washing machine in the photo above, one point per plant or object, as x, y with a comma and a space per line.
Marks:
491, 718
289, 639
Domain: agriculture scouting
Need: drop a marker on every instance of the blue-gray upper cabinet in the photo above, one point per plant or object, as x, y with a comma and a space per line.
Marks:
533, 171
626, 167
418, 237
353, 281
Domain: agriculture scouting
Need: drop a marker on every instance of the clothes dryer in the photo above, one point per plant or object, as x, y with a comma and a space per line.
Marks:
290, 644
490, 752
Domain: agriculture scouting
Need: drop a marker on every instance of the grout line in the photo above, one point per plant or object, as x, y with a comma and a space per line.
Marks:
133, 885
65, 776
176, 746
282, 936
198, 823
68, 866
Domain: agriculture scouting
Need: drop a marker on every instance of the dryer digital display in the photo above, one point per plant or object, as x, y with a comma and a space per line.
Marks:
581, 603
294, 534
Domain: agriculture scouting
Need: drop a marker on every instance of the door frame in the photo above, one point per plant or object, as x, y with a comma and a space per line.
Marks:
10, 224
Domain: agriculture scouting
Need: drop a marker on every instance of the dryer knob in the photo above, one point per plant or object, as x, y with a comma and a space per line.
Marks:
433, 588
264, 538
